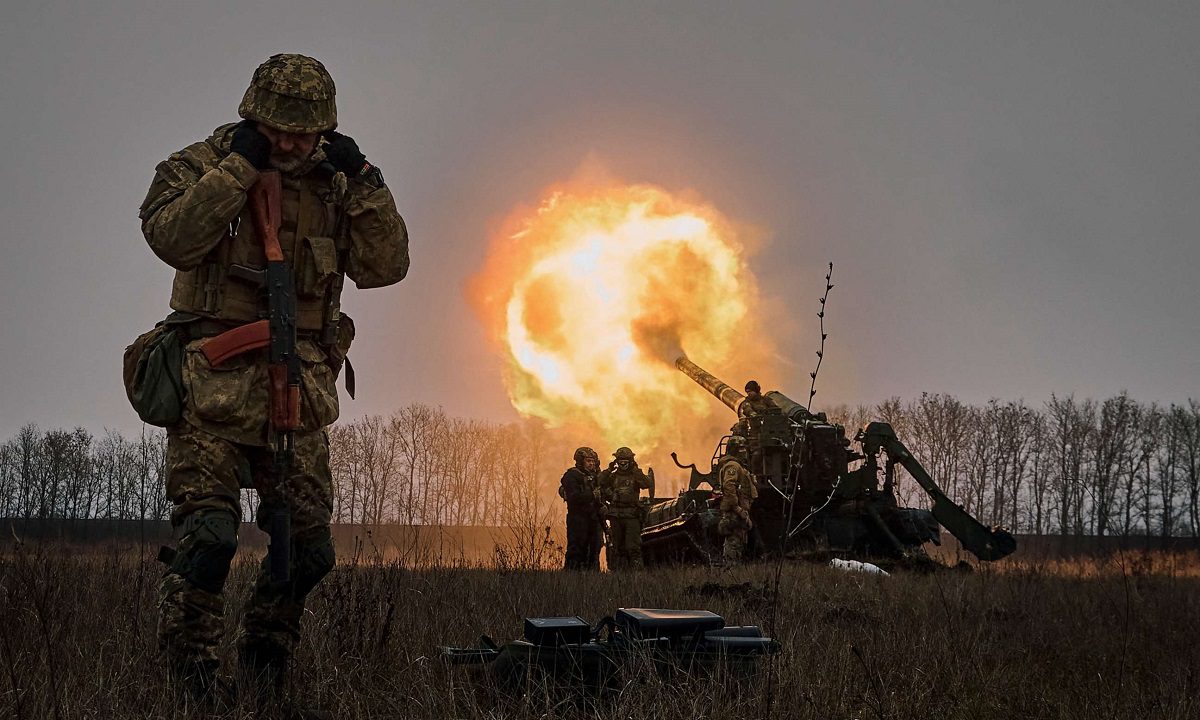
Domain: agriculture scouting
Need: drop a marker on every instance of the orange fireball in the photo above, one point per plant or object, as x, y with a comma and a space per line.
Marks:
593, 294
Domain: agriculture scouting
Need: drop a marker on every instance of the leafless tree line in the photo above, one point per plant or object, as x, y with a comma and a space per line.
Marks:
422, 467
71, 474
416, 467
1077, 467
1071, 467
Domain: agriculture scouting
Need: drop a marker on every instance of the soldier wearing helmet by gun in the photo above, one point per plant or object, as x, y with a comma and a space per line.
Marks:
750, 413
620, 487
262, 221
738, 493
755, 403
584, 529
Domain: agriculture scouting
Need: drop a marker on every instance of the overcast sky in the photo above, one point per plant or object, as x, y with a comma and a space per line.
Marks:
1008, 190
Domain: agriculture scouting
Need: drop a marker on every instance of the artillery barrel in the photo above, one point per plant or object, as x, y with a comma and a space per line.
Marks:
732, 398
792, 409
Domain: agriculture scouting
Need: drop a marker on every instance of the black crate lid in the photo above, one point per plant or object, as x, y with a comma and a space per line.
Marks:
658, 622
572, 628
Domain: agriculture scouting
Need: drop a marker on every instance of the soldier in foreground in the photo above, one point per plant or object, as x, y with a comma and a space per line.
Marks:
336, 219
738, 493
584, 531
620, 487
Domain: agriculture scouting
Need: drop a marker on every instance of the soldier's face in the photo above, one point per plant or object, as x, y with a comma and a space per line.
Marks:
624, 464
288, 150
591, 465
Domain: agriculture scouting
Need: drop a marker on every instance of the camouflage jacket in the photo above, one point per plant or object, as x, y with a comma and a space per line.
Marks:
620, 490
737, 487
751, 407
579, 490
196, 219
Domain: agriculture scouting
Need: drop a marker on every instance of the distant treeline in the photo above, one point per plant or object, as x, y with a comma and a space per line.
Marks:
1071, 467
417, 467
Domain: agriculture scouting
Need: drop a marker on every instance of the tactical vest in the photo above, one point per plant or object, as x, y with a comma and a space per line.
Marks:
228, 285
579, 497
626, 489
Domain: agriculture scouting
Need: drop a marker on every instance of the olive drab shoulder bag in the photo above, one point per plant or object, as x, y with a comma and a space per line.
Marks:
153, 374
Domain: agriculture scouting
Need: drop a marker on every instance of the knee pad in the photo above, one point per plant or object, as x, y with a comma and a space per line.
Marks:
314, 559
206, 548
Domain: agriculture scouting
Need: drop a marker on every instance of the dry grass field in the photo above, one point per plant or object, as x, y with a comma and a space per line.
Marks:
1113, 638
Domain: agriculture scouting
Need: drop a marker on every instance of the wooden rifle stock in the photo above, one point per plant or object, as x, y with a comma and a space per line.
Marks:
265, 198
285, 398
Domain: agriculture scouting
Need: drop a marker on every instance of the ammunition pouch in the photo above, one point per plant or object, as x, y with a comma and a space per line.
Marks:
316, 267
224, 393
152, 371
319, 401
207, 544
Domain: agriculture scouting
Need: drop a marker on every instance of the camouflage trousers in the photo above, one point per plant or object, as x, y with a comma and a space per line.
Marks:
204, 477
736, 532
624, 543
584, 539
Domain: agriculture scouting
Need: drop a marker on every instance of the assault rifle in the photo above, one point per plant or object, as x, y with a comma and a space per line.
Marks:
277, 333
283, 366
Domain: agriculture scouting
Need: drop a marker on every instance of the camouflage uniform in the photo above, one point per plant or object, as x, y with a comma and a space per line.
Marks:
619, 490
196, 218
738, 493
584, 531
750, 411
756, 404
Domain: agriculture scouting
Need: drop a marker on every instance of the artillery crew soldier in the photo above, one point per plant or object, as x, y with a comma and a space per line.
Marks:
585, 533
620, 487
751, 411
755, 403
738, 493
335, 218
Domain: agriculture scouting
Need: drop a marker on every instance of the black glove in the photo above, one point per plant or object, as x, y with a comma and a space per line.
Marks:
344, 155
251, 144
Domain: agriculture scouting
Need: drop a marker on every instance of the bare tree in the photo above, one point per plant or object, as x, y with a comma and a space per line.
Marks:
940, 427
1168, 458
1191, 464
1070, 424
1040, 476
1114, 444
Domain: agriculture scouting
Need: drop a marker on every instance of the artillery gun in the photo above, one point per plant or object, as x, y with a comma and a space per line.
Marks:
810, 496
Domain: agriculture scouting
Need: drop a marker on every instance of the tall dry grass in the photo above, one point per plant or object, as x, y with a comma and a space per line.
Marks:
1047, 641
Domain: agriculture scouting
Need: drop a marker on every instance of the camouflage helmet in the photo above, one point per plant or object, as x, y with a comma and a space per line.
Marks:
736, 445
753, 386
623, 453
583, 453
292, 93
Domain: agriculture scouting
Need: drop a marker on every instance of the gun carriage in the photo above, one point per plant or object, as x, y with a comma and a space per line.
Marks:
819, 489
